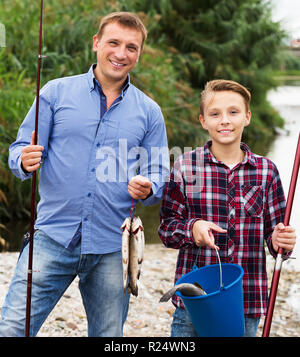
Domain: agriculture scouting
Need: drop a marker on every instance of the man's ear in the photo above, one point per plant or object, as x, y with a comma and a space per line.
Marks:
95, 43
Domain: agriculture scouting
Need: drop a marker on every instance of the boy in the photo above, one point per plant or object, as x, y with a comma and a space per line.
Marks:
224, 196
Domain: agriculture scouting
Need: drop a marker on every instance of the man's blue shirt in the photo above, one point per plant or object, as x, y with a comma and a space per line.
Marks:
89, 156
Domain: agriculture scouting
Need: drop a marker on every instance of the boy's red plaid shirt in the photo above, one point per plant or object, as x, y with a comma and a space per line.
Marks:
247, 200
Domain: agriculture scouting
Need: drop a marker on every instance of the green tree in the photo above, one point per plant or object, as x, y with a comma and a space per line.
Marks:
67, 42
231, 39
190, 42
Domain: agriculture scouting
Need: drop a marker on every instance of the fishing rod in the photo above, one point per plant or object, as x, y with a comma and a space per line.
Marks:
279, 260
32, 218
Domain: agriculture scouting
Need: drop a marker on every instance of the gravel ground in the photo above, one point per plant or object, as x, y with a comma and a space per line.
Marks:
147, 317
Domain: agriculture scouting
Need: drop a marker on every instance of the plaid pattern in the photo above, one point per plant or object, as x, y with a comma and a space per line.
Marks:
248, 201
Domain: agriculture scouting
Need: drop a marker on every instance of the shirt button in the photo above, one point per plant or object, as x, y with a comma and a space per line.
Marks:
93, 169
89, 194
85, 219
98, 144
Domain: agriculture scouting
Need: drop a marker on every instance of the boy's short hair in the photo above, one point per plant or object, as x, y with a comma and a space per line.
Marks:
220, 85
127, 19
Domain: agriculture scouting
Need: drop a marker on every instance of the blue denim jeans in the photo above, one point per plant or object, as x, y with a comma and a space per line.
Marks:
182, 325
54, 268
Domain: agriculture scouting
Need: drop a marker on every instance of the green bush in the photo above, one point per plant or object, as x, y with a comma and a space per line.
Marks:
189, 43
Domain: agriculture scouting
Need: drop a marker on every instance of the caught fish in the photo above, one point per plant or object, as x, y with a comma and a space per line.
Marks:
136, 253
186, 289
133, 242
126, 227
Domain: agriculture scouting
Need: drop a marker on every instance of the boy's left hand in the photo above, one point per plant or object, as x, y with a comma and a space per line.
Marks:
283, 237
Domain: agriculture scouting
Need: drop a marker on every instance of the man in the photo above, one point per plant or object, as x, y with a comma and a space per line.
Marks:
96, 132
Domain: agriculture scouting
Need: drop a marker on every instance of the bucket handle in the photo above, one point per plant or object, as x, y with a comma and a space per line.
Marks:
221, 276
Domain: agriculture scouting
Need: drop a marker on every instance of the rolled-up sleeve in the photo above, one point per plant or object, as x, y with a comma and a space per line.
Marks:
25, 132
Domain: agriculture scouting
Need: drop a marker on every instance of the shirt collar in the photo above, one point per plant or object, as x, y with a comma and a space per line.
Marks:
249, 156
92, 80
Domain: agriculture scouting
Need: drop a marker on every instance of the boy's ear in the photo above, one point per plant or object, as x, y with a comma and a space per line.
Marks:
248, 118
202, 121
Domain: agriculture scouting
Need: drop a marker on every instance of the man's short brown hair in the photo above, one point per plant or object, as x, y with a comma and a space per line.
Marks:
220, 85
127, 19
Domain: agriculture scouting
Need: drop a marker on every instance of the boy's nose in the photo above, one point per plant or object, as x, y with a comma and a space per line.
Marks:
225, 119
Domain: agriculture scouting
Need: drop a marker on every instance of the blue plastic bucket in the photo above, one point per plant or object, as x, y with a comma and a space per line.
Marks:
220, 313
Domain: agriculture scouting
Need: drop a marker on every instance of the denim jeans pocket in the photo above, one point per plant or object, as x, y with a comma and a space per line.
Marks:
26, 240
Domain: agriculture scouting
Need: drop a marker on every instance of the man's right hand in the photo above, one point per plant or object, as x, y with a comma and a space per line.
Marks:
31, 156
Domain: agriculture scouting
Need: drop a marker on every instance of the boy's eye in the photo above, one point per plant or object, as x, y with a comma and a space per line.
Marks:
113, 43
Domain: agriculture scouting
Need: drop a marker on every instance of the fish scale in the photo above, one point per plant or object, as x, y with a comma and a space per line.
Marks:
133, 242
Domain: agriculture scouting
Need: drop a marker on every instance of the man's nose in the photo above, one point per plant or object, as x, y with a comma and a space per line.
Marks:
120, 52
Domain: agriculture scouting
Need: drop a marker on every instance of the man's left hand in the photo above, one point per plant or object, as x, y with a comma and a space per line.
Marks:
139, 187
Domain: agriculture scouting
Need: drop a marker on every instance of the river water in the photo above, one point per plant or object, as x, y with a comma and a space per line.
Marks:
286, 100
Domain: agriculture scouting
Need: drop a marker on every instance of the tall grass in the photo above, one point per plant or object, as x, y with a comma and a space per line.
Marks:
164, 72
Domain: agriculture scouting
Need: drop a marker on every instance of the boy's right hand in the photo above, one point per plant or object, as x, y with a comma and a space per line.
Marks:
202, 233
31, 156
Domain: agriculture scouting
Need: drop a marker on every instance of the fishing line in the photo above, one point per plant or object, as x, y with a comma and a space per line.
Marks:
131, 213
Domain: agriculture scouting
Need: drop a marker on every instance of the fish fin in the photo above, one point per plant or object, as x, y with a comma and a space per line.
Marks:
199, 286
126, 222
134, 290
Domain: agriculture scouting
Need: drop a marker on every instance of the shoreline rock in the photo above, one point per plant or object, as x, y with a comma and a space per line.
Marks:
147, 317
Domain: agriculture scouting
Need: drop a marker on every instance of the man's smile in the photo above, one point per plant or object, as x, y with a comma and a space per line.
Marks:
117, 64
